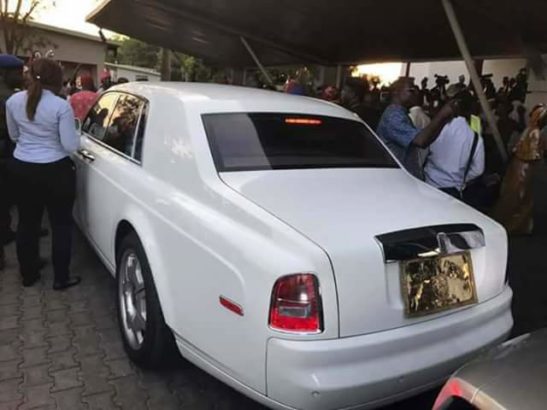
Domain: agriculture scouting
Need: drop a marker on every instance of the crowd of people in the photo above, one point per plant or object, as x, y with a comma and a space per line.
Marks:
441, 136
367, 97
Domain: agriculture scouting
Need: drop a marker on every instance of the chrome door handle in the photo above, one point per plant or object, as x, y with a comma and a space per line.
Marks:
85, 154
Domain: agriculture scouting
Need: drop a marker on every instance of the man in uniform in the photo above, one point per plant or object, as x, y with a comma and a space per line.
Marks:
11, 80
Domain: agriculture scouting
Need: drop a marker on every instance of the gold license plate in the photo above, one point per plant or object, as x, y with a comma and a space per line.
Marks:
432, 285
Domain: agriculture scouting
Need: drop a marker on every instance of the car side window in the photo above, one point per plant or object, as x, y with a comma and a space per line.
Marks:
121, 133
98, 118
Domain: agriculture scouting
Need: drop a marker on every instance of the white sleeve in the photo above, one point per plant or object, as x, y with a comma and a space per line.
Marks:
70, 140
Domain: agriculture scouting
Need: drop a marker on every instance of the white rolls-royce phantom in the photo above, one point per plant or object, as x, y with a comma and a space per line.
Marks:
277, 243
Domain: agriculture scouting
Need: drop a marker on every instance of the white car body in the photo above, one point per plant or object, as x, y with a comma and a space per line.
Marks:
208, 234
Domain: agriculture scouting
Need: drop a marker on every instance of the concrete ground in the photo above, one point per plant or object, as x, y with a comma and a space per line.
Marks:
62, 350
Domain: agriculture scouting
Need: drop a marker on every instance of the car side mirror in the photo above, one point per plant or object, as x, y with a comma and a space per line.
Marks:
78, 124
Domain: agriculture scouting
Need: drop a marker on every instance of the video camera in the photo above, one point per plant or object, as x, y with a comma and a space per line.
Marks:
441, 80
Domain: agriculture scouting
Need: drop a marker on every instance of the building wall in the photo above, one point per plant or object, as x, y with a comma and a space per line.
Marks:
72, 50
503, 68
538, 92
132, 75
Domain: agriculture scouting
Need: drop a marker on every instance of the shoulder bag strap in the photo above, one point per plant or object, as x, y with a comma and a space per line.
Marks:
470, 161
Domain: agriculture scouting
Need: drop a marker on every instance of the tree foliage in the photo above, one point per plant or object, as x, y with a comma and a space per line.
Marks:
189, 68
137, 53
183, 67
15, 16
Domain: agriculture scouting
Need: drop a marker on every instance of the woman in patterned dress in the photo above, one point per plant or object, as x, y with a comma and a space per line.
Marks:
516, 203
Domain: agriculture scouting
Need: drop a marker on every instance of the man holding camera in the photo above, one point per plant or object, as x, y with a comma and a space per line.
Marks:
398, 132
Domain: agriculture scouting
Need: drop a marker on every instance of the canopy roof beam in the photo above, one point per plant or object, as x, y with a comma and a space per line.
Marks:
186, 12
255, 58
212, 29
462, 44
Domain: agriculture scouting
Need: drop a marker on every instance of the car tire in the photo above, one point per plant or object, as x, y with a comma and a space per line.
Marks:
146, 338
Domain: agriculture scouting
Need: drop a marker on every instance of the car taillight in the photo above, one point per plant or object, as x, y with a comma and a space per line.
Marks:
296, 304
455, 394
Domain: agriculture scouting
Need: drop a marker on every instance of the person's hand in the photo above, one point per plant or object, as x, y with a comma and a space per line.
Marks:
449, 110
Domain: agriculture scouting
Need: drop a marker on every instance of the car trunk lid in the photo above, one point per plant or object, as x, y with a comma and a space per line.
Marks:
345, 211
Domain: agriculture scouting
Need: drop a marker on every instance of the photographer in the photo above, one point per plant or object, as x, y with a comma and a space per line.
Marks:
519, 88
488, 87
398, 132
457, 156
504, 90
438, 93
425, 95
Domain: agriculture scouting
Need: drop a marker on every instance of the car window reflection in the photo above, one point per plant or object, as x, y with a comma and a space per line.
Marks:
114, 121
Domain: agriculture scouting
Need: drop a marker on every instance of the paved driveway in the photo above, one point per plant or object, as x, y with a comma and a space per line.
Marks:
61, 350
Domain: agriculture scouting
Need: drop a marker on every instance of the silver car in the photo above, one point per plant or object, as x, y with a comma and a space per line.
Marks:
512, 376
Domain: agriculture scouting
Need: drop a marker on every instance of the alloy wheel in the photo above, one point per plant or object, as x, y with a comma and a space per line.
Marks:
132, 296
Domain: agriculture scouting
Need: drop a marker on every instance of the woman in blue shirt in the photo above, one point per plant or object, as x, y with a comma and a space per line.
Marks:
42, 126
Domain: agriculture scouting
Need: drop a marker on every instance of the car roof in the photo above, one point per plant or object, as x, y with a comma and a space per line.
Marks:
204, 93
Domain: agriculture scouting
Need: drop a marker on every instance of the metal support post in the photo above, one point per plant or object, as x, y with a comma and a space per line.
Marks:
321, 75
257, 61
464, 49
165, 65
339, 77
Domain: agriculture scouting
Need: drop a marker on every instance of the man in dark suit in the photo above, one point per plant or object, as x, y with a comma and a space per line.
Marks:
11, 80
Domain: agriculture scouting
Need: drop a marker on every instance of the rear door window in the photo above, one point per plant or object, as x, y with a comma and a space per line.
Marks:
266, 141
118, 120
99, 116
122, 128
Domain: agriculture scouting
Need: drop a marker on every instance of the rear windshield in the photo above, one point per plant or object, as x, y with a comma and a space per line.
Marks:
246, 142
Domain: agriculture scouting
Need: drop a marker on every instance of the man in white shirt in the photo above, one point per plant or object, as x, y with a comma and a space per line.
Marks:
450, 153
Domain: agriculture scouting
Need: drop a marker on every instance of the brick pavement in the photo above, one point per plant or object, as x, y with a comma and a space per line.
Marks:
62, 350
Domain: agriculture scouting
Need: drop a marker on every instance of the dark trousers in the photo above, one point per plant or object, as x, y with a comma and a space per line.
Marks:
44, 186
452, 192
6, 200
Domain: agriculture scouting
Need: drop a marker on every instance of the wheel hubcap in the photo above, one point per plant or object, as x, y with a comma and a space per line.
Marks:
132, 295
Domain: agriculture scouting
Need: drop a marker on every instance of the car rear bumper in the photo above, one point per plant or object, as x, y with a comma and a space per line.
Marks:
372, 370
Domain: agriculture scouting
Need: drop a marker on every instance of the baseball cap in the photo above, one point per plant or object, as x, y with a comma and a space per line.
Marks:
10, 61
